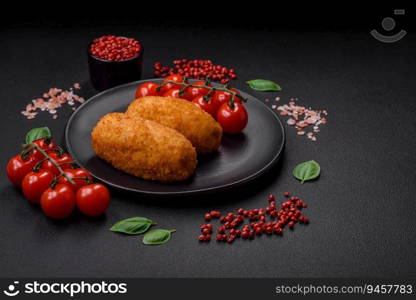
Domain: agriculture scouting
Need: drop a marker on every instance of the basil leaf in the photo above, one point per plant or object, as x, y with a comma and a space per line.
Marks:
307, 170
263, 85
37, 133
135, 225
157, 236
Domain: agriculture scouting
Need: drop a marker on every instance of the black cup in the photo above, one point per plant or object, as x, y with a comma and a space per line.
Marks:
106, 74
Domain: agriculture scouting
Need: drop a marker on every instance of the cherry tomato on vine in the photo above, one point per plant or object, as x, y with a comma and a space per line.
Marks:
58, 202
221, 97
35, 183
64, 161
17, 168
82, 176
93, 199
207, 106
193, 92
173, 92
167, 86
147, 89
232, 120
45, 145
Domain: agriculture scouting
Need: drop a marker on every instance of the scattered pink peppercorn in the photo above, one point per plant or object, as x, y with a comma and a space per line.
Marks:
207, 217
197, 69
288, 214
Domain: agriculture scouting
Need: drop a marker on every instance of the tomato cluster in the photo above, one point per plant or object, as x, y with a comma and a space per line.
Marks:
56, 190
231, 115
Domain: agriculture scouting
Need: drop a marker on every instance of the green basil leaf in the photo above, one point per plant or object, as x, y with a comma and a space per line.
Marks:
37, 133
135, 225
263, 85
307, 170
157, 236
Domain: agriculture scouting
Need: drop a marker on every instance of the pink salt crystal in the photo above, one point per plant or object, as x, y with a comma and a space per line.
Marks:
302, 124
52, 100
291, 122
311, 120
302, 118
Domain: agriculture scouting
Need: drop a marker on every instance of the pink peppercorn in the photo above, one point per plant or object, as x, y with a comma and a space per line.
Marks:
114, 48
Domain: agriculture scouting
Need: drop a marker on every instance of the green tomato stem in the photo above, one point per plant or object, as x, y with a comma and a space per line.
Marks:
211, 90
44, 153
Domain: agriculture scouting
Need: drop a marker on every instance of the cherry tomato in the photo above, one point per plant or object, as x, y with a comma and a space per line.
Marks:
221, 97
232, 120
80, 174
207, 106
173, 77
17, 168
64, 161
35, 183
93, 199
193, 92
147, 89
173, 92
58, 202
45, 145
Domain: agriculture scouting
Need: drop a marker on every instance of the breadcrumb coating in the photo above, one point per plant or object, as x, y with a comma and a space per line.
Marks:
143, 148
195, 124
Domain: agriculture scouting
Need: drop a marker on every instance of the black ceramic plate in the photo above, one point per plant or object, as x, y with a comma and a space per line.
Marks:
241, 157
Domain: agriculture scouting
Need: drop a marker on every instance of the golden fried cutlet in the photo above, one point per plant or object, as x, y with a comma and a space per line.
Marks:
194, 123
143, 148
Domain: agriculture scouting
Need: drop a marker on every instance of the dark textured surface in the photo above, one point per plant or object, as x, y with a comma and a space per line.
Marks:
362, 208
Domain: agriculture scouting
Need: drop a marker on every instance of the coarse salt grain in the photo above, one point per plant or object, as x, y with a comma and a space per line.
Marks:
52, 100
305, 120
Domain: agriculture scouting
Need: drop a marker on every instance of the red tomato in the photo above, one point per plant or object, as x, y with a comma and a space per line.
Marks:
64, 161
193, 92
221, 97
232, 120
35, 183
207, 106
173, 77
93, 199
45, 145
81, 176
58, 202
17, 168
147, 89
173, 92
